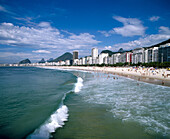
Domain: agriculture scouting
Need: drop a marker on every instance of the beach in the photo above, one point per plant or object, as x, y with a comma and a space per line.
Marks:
150, 75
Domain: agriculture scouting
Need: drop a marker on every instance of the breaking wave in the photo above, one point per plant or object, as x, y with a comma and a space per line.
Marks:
57, 119
78, 85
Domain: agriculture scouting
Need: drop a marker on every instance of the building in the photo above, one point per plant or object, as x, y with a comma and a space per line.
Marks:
75, 55
102, 56
67, 62
94, 54
164, 53
152, 55
116, 58
138, 55
75, 61
89, 60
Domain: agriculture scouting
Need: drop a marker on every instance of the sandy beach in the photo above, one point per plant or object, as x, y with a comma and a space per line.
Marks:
150, 75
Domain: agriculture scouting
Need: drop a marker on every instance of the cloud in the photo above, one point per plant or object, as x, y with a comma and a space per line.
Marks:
43, 36
131, 27
154, 18
44, 24
108, 47
164, 30
148, 40
3, 9
41, 51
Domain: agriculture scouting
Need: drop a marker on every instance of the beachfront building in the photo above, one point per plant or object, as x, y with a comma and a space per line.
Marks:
152, 55
75, 55
89, 60
80, 61
138, 55
116, 58
75, 61
94, 54
102, 56
83, 61
106, 60
67, 62
126, 57
164, 53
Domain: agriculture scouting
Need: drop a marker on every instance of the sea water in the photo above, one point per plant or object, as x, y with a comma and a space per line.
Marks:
31, 101
75, 104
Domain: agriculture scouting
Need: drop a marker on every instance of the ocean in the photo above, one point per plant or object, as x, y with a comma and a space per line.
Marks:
42, 103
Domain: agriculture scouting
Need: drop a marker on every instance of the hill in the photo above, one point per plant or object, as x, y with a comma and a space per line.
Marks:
65, 56
162, 43
42, 60
25, 61
108, 51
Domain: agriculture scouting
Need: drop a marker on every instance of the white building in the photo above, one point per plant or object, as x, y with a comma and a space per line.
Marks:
89, 60
126, 57
67, 62
75, 61
94, 54
116, 58
138, 55
102, 56
84, 61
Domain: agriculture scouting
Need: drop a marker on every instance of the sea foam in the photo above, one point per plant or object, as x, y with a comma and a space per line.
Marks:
55, 121
78, 85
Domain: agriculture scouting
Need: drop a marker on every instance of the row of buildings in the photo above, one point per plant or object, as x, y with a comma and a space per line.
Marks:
156, 53
139, 55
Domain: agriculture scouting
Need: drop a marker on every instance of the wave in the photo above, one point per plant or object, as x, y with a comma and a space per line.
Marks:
57, 119
78, 85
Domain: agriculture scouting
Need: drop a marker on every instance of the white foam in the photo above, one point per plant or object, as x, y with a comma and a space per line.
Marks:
55, 121
78, 85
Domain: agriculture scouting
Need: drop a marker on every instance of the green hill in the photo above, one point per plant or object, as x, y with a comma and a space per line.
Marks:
108, 51
65, 56
25, 61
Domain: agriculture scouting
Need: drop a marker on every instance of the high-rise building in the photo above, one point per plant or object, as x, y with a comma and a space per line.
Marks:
75, 55
94, 54
164, 53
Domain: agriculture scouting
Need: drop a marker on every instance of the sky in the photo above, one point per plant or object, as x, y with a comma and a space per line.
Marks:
37, 29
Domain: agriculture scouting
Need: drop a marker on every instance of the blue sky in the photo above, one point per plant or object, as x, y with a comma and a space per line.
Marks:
38, 29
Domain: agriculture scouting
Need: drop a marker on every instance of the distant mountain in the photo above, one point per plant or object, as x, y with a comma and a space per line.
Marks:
121, 50
65, 56
42, 61
50, 60
108, 51
25, 61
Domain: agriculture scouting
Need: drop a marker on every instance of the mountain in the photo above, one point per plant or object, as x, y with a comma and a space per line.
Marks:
50, 60
121, 50
25, 61
108, 51
162, 43
42, 61
65, 56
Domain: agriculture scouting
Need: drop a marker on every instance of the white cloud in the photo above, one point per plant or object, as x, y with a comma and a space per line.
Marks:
108, 47
41, 51
3, 9
131, 27
164, 30
146, 41
43, 36
44, 24
154, 18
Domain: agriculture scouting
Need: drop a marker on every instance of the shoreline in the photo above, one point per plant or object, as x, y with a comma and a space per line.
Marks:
149, 75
